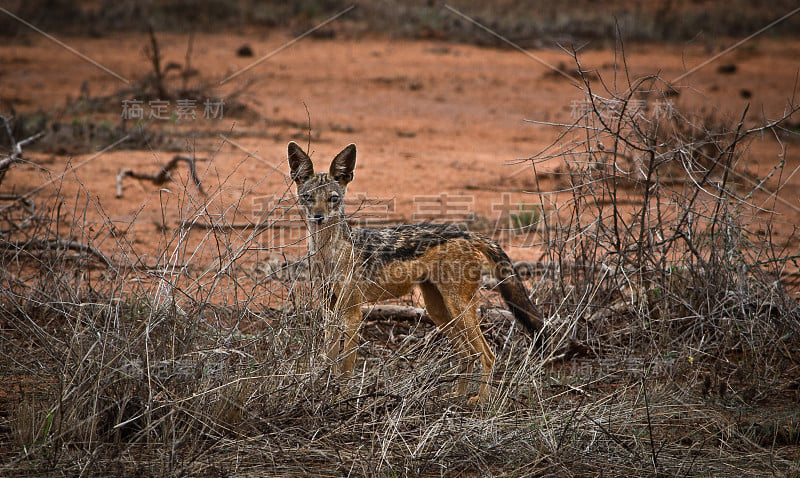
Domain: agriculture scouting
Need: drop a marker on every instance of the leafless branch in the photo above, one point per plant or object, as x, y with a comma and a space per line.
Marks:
54, 244
162, 176
15, 154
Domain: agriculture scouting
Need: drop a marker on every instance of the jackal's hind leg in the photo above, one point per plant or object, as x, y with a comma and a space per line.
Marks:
462, 307
480, 346
435, 305
333, 341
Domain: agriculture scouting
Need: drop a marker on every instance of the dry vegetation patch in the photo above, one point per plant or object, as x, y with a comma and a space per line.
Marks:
673, 340
674, 332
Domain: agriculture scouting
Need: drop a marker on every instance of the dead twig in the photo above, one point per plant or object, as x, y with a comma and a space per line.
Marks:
51, 244
162, 176
15, 154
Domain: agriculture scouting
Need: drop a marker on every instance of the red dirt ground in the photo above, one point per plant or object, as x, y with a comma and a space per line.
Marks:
429, 118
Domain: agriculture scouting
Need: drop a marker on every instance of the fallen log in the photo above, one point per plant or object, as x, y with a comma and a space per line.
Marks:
405, 313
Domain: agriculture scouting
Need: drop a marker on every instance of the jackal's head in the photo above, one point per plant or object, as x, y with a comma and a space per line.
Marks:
322, 194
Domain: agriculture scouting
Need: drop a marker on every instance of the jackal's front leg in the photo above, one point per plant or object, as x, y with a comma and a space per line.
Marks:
350, 337
333, 342
333, 333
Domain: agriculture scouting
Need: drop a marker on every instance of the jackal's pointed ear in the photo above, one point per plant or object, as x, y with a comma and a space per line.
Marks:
300, 164
343, 165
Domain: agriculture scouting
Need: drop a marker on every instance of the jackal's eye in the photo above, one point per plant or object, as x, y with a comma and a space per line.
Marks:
334, 198
307, 197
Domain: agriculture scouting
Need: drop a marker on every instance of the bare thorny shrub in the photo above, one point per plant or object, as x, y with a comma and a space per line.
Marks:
665, 243
669, 273
669, 323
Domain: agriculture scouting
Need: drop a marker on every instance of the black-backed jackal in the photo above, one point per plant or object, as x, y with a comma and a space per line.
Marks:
370, 265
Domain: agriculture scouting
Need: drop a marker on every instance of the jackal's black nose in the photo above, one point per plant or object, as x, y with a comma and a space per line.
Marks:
318, 218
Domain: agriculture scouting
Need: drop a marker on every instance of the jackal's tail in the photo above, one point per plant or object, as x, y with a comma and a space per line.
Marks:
512, 289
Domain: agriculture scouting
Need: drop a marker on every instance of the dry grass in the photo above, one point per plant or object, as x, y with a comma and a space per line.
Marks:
674, 340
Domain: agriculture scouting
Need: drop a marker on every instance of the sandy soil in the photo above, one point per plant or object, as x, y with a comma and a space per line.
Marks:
432, 121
